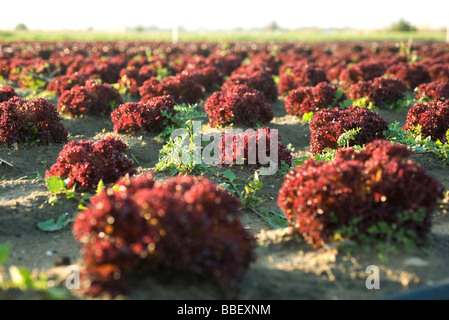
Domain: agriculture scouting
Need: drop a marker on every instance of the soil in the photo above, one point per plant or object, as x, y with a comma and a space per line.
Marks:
286, 267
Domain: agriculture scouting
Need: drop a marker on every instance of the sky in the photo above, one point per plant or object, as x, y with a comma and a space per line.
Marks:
223, 14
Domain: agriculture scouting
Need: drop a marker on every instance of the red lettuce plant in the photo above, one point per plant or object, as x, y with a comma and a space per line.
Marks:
255, 76
209, 77
433, 91
225, 63
310, 99
93, 98
238, 105
142, 116
412, 75
4, 68
271, 60
34, 121
77, 63
97, 69
85, 163
128, 86
107, 70
300, 74
62, 83
145, 73
182, 87
381, 92
104, 96
378, 184
361, 71
7, 93
12, 121
334, 71
132, 77
245, 146
439, 72
132, 72
431, 119
327, 125
182, 224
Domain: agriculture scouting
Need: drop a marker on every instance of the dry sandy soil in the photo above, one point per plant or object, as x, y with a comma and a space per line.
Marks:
286, 267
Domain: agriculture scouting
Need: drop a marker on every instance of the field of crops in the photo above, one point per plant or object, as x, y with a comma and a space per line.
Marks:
213, 170
224, 36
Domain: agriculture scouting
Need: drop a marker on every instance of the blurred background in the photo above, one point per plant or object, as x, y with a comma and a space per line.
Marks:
224, 20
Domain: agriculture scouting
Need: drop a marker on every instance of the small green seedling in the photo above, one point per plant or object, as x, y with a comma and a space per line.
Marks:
52, 225
251, 201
